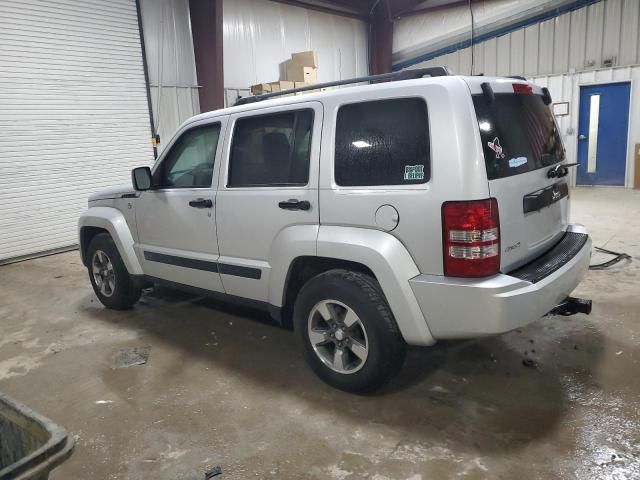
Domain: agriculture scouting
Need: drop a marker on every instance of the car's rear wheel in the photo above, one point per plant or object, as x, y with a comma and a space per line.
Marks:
109, 277
348, 333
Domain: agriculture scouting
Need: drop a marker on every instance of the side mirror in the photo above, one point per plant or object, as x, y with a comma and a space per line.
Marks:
141, 178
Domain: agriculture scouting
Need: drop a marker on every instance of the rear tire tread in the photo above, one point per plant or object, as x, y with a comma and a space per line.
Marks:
390, 355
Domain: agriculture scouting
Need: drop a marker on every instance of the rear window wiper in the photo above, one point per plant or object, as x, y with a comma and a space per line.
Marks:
560, 170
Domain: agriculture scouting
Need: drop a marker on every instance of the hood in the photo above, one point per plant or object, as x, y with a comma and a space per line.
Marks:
113, 192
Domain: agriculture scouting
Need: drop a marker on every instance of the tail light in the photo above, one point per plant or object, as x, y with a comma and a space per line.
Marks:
471, 238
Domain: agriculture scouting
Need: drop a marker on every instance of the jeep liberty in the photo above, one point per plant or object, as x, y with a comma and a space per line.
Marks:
370, 217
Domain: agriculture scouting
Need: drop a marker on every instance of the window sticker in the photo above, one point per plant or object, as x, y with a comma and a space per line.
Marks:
516, 162
414, 172
496, 147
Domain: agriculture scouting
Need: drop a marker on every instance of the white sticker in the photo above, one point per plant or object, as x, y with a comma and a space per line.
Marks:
496, 147
414, 172
516, 162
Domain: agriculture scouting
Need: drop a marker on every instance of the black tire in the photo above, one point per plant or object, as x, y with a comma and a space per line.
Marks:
362, 294
125, 292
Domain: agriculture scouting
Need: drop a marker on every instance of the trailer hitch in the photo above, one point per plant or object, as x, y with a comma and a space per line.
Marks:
571, 306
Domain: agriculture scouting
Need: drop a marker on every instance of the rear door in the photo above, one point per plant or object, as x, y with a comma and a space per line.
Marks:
521, 143
270, 183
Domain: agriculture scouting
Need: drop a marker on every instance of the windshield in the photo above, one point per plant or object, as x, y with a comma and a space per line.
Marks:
518, 134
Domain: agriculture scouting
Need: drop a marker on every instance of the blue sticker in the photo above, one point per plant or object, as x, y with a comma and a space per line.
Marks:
516, 162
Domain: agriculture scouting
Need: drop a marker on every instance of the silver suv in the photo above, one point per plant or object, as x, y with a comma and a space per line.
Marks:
369, 218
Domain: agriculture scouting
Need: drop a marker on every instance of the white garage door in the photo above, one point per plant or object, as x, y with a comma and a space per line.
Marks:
73, 115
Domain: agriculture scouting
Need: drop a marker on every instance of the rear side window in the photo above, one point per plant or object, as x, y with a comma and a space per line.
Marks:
384, 142
271, 150
518, 134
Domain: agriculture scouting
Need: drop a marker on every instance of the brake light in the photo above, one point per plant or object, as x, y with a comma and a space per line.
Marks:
471, 238
522, 88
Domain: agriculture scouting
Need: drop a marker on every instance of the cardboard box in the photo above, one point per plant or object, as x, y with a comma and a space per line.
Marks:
307, 59
305, 84
300, 73
281, 85
260, 88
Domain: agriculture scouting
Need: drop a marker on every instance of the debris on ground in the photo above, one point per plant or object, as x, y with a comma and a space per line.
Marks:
213, 472
528, 362
128, 357
619, 353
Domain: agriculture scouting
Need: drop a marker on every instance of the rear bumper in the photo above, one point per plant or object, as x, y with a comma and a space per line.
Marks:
463, 308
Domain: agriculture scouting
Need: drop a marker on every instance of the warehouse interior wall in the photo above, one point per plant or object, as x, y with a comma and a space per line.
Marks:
566, 88
254, 50
589, 43
600, 35
445, 31
170, 64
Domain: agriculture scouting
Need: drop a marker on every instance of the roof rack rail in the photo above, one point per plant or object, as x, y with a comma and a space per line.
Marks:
394, 77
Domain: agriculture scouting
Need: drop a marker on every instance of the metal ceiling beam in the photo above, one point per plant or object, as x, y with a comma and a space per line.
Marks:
324, 9
380, 38
417, 11
206, 31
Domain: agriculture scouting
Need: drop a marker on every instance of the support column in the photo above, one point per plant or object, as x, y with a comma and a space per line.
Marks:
206, 30
380, 39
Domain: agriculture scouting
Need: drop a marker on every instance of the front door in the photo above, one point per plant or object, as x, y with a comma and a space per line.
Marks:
268, 191
602, 134
177, 238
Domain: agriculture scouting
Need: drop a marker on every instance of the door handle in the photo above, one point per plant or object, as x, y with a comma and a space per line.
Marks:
582, 137
293, 204
201, 203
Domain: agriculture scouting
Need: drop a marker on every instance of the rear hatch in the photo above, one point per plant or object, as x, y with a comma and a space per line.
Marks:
521, 143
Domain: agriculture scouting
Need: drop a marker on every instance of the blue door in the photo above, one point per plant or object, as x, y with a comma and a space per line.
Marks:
602, 134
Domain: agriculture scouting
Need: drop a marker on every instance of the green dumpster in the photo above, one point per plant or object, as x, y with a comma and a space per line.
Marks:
30, 444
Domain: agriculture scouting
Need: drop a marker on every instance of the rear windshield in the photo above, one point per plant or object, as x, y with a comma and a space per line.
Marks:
518, 134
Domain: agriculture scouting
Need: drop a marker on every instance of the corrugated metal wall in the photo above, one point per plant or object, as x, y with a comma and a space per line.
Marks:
584, 39
260, 35
170, 64
566, 88
599, 43
441, 27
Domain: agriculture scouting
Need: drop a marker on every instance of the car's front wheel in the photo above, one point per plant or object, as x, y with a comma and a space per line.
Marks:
348, 333
110, 279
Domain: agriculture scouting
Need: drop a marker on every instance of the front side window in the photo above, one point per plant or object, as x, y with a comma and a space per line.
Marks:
383, 142
190, 161
269, 150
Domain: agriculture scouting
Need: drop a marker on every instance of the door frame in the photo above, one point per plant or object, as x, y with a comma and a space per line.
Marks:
629, 150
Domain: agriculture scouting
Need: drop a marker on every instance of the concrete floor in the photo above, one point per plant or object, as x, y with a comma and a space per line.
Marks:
224, 386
